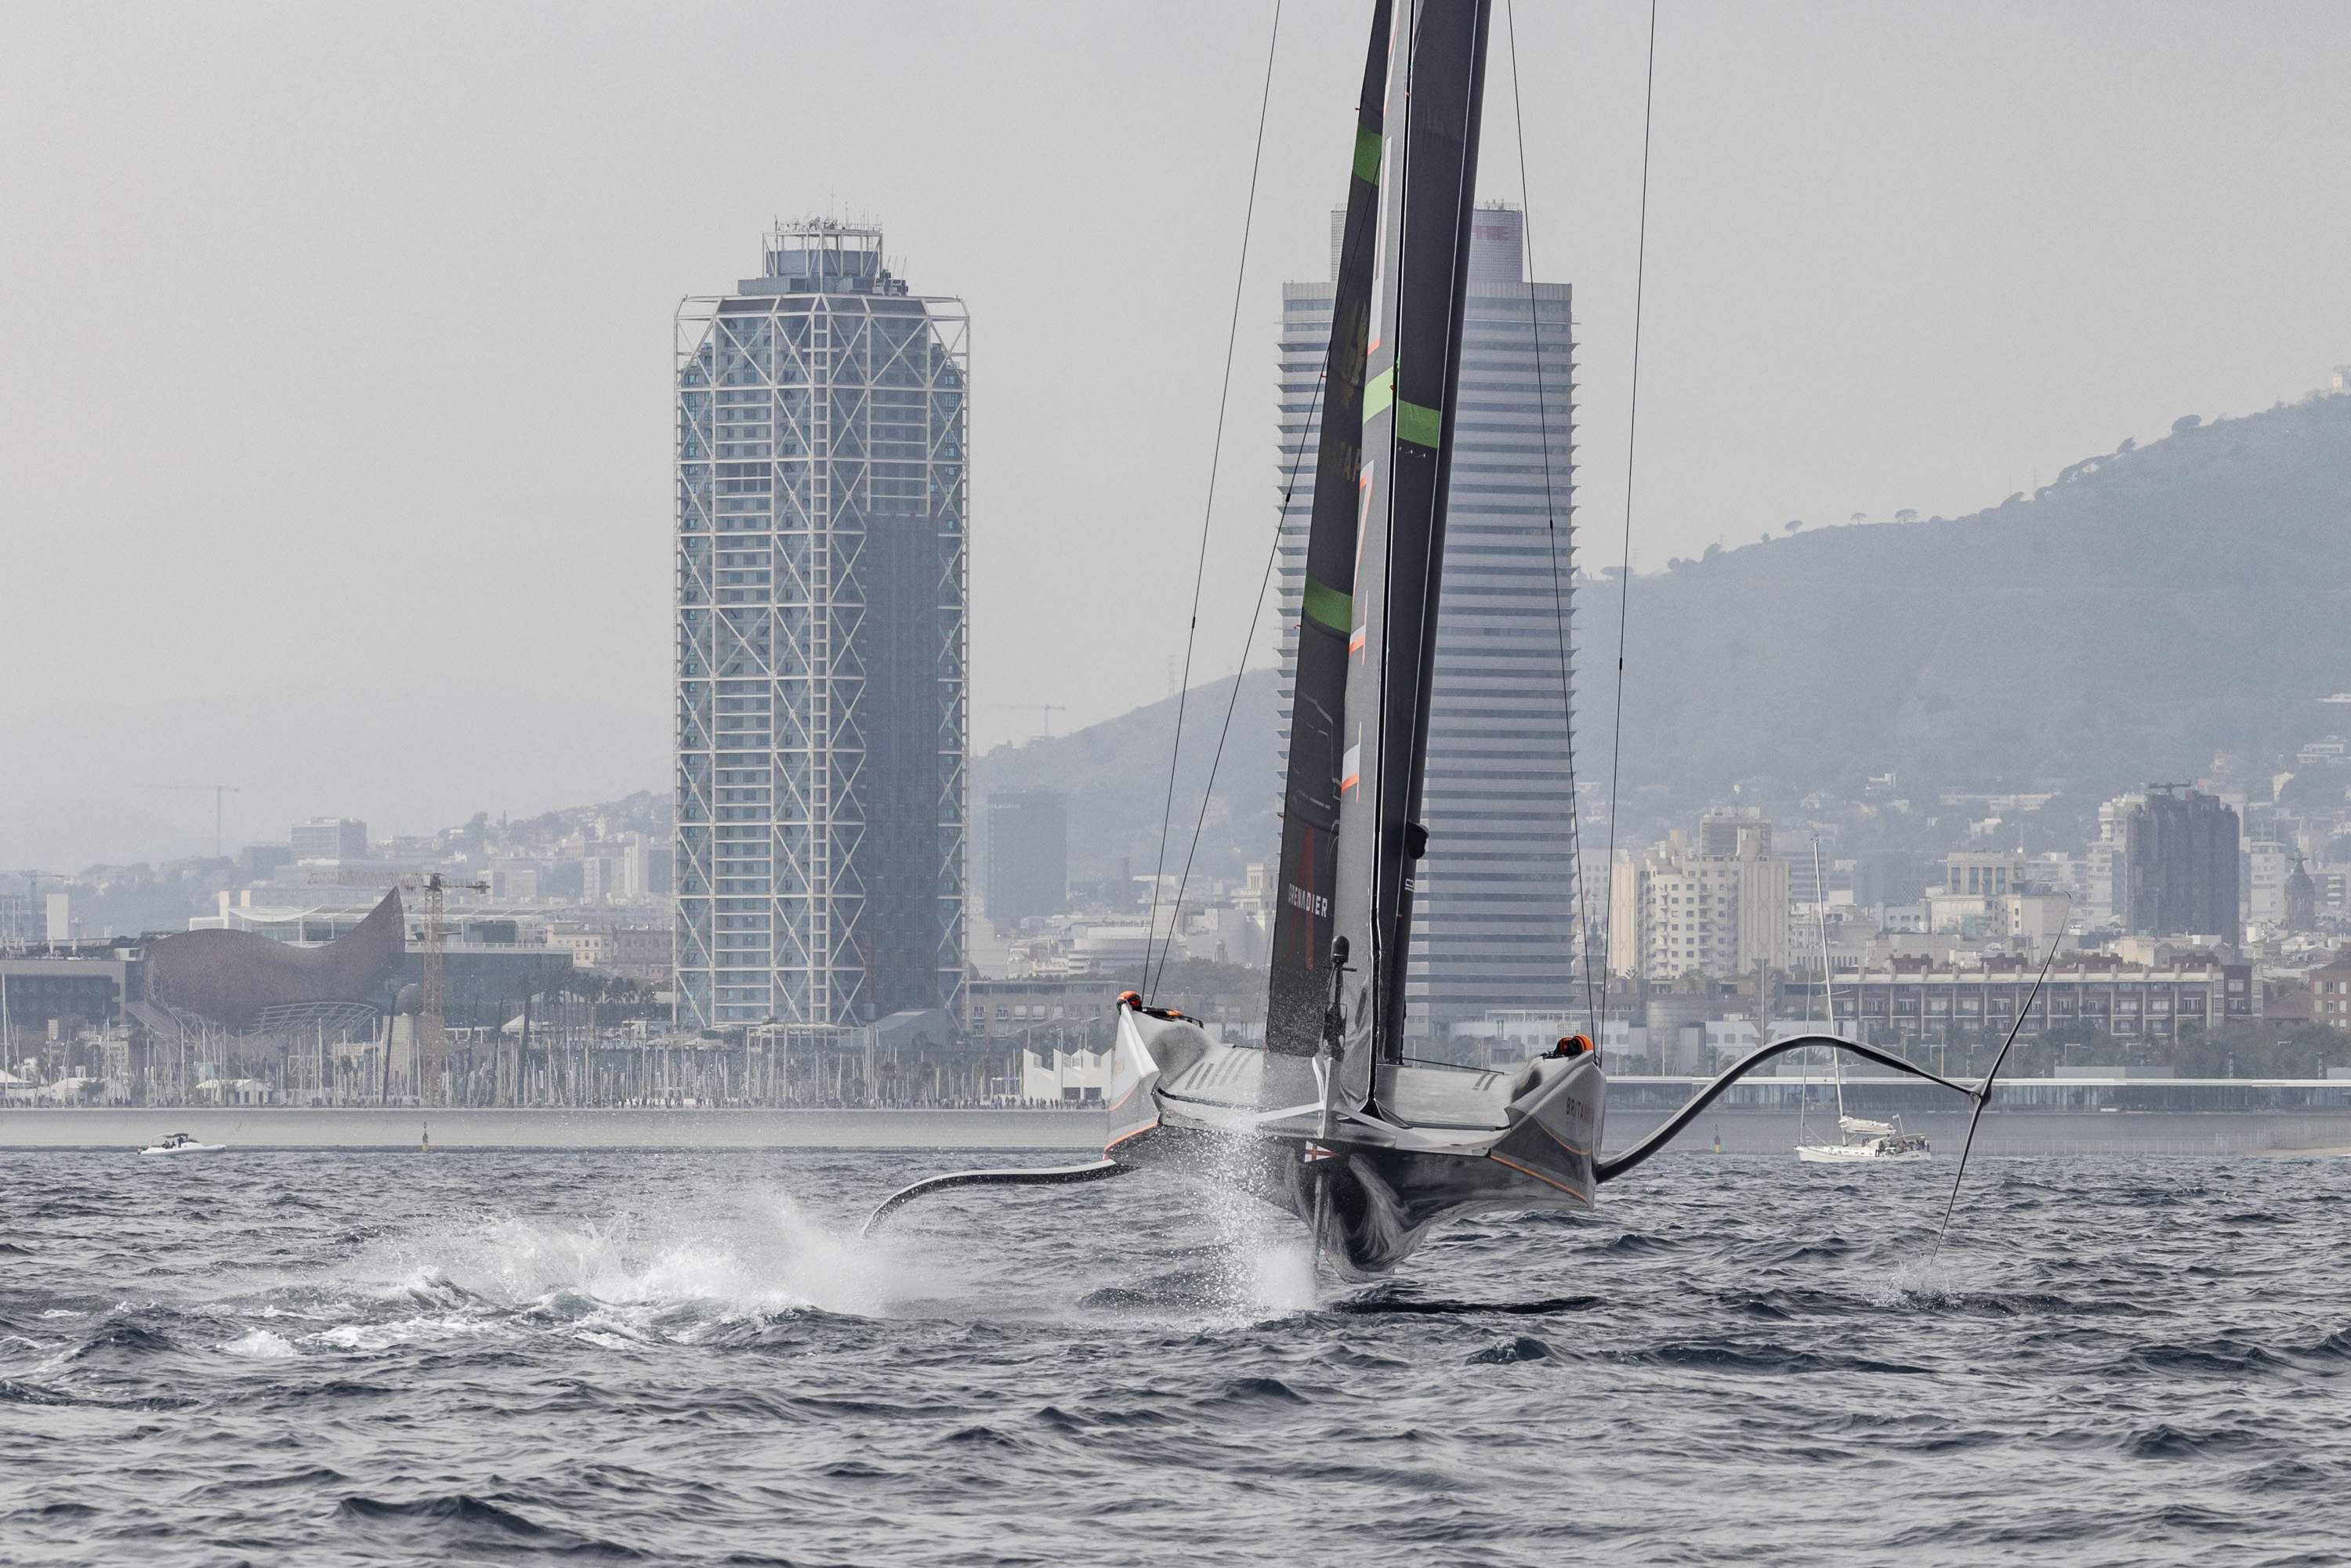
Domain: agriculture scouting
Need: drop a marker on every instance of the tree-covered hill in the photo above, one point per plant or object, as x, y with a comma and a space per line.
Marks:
2155, 606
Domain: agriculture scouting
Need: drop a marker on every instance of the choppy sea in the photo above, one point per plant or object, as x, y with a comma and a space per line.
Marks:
692, 1358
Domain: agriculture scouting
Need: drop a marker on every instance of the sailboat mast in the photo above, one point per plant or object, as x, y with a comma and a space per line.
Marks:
1828, 987
1421, 270
1298, 981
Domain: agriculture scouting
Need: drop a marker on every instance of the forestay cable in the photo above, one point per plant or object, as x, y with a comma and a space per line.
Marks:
1631, 443
1592, 996
1207, 510
1983, 1094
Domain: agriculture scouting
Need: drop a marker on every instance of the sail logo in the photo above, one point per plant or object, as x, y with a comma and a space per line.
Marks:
1351, 766
1314, 903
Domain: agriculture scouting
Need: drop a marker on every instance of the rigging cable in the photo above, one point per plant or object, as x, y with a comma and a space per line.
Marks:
1632, 440
1215, 459
1551, 529
1232, 701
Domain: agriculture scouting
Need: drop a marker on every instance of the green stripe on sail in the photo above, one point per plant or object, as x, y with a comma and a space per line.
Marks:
1378, 392
1367, 156
1329, 608
1420, 425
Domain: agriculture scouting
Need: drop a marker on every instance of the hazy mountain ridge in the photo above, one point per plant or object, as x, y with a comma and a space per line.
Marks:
1115, 774
2155, 606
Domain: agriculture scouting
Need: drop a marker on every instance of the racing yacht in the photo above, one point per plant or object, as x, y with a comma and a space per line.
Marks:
1328, 1118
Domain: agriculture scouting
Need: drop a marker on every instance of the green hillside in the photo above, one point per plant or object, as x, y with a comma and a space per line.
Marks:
2156, 606
2153, 607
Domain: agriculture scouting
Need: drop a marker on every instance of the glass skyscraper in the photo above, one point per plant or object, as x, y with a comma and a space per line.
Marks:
1494, 907
819, 664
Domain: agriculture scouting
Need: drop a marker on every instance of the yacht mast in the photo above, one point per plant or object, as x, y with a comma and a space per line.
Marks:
1420, 272
1828, 986
1297, 983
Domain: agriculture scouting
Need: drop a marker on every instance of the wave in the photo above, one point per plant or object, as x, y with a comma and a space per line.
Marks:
260, 1345
1526, 1347
13, 1393
624, 1280
1255, 1391
466, 1520
1760, 1358
2224, 1356
1381, 1304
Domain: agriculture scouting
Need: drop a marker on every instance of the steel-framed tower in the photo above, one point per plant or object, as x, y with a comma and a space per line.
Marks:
822, 641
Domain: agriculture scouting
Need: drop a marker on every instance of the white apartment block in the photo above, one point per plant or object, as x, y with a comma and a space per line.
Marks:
1676, 909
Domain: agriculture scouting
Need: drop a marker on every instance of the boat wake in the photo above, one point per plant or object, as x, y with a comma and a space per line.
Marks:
617, 1281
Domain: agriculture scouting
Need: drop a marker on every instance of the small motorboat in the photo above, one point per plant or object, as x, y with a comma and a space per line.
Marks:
183, 1143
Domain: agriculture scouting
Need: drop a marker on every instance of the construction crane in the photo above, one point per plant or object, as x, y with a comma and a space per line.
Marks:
432, 1030
431, 1036
1048, 709
220, 793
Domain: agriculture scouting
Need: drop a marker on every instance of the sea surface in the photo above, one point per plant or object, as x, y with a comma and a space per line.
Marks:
691, 1357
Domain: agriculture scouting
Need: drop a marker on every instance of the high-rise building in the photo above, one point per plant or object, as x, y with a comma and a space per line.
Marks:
820, 707
1495, 897
2177, 872
1027, 856
1717, 907
329, 838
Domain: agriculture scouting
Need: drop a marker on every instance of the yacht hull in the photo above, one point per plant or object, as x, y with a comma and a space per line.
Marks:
1858, 1155
1373, 1188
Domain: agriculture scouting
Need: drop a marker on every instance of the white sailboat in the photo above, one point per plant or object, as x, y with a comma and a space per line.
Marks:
1860, 1141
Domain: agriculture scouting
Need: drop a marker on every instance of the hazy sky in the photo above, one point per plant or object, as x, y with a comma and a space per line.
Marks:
336, 423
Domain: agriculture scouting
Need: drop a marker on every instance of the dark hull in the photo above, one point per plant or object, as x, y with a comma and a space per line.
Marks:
1376, 1187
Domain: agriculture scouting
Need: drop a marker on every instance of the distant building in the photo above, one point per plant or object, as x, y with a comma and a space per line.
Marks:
2267, 867
820, 641
329, 838
258, 860
1728, 832
2330, 992
2177, 872
1986, 872
641, 952
1074, 1011
515, 880
590, 947
1678, 909
1889, 876
1494, 917
1911, 1001
1027, 856
2301, 899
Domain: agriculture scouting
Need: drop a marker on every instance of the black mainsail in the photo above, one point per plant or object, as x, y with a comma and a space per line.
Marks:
1436, 80
1299, 984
